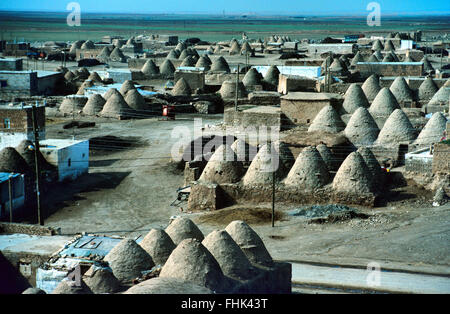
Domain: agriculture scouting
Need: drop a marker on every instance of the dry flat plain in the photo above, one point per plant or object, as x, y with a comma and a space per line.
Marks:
129, 190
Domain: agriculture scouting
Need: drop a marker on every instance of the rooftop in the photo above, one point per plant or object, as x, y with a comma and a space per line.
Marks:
310, 96
59, 143
392, 63
39, 73
4, 176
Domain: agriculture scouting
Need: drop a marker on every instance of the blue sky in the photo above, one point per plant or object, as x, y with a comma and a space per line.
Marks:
329, 7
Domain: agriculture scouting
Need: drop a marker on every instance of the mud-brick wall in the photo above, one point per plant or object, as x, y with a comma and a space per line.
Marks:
294, 83
253, 119
389, 69
195, 80
21, 119
419, 164
18, 119
19, 83
441, 158
303, 112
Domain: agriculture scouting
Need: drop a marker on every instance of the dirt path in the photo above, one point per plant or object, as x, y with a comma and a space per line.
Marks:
144, 188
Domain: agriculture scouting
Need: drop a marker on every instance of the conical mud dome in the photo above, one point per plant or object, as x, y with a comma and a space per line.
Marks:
401, 90
228, 90
11, 161
373, 165
357, 58
220, 65
183, 228
128, 260
25, 149
192, 262
250, 243
101, 281
354, 98
397, 129
353, 176
104, 55
272, 75
110, 92
327, 156
94, 105
327, 120
87, 83
371, 87
246, 48
89, 44
73, 103
135, 100
173, 54
158, 245
117, 55
388, 58
361, 128
94, 77
389, 46
252, 77
373, 58
394, 56
309, 171
223, 167
265, 162
181, 46
66, 287
235, 48
441, 97
433, 130
167, 68
150, 68
337, 66
116, 107
377, 45
181, 88
203, 62
384, 104
229, 255
427, 89
126, 86
76, 45
188, 62
378, 55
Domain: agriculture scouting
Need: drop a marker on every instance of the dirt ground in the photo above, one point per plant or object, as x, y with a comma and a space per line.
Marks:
131, 184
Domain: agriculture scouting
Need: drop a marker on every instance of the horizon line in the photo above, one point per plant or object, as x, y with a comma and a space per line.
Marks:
250, 14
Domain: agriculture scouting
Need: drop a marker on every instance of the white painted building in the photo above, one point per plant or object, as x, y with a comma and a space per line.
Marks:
71, 157
306, 71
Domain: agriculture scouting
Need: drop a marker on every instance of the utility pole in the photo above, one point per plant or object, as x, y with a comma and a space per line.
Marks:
10, 200
328, 72
273, 198
237, 90
36, 161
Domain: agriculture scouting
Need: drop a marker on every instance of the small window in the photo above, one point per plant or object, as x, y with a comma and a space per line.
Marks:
3, 83
69, 162
84, 155
7, 123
